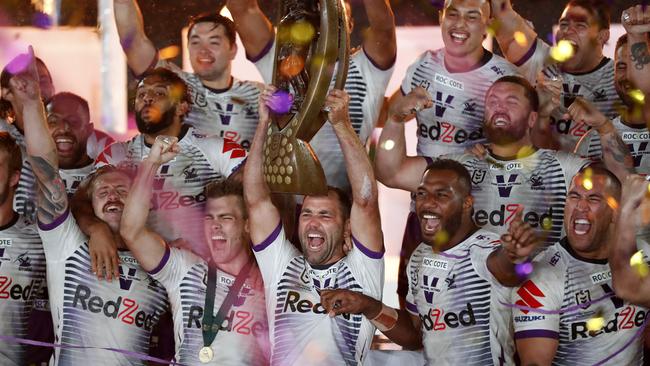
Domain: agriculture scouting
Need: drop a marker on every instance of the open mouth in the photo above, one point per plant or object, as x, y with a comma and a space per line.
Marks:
581, 226
218, 240
430, 222
64, 144
459, 37
315, 241
113, 208
500, 122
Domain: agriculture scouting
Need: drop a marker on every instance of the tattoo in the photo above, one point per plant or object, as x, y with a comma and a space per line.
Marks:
616, 148
52, 196
639, 54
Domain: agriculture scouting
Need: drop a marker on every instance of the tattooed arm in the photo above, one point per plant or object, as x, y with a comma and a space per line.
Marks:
637, 26
41, 150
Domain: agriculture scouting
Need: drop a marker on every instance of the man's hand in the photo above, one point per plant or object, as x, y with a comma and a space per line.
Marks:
521, 240
339, 301
478, 150
24, 84
636, 19
164, 149
583, 111
498, 6
336, 106
549, 89
635, 197
103, 253
404, 108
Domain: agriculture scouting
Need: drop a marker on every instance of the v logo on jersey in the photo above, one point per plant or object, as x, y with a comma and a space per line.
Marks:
2, 254
441, 106
159, 183
637, 155
570, 95
528, 292
505, 188
429, 284
225, 119
126, 281
317, 284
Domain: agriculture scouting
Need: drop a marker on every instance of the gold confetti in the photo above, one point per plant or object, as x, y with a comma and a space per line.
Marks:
168, 52
595, 324
547, 223
588, 184
388, 145
302, 32
637, 95
612, 203
292, 66
637, 263
520, 38
562, 51
441, 238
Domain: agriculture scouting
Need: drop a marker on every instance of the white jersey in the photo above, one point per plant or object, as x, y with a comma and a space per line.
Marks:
636, 139
564, 292
178, 200
22, 277
93, 313
539, 182
25, 197
301, 331
366, 84
230, 113
243, 338
459, 304
456, 119
596, 86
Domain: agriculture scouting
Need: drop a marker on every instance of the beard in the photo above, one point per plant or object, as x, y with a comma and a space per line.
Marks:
504, 135
166, 120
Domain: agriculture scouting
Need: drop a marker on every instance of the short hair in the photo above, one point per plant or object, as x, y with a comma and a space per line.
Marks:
454, 166
175, 81
599, 9
226, 187
8, 144
601, 170
529, 91
218, 19
103, 170
73, 97
343, 199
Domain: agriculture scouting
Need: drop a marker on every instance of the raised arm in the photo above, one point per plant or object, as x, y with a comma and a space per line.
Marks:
264, 216
628, 283
636, 21
254, 28
41, 150
147, 246
506, 22
380, 42
140, 51
394, 168
364, 217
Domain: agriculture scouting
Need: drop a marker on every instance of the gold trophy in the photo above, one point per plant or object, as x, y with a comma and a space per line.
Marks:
311, 38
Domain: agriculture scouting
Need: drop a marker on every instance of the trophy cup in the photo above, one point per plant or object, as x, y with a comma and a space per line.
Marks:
304, 67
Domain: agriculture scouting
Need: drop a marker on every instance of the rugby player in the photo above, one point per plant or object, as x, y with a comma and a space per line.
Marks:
220, 104
86, 312
456, 283
371, 67
567, 313
242, 336
22, 261
301, 331
587, 73
177, 203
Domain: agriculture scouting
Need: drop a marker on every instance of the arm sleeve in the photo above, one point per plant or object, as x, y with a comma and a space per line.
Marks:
413, 288
264, 62
173, 266
368, 266
61, 237
273, 255
225, 156
533, 61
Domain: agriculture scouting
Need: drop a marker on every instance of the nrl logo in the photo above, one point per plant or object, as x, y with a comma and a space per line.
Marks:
478, 176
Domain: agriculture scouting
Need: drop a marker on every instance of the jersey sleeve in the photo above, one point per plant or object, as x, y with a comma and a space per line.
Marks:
538, 301
413, 288
533, 61
407, 83
225, 156
480, 252
369, 266
582, 147
264, 62
571, 164
173, 266
273, 255
61, 238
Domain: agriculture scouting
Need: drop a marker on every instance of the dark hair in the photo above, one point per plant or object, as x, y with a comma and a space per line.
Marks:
103, 170
75, 98
529, 91
601, 170
597, 8
8, 144
168, 76
6, 110
454, 166
217, 19
226, 187
621, 41
343, 198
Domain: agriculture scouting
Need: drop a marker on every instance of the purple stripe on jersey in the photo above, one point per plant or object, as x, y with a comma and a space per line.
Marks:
369, 253
411, 307
274, 235
536, 333
391, 64
453, 256
162, 263
428, 159
527, 55
237, 167
54, 224
265, 50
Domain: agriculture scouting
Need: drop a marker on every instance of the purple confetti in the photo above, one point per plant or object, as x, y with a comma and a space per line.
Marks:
19, 64
524, 269
42, 20
438, 4
280, 102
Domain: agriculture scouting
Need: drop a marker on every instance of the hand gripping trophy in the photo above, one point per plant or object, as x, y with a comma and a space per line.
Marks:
310, 39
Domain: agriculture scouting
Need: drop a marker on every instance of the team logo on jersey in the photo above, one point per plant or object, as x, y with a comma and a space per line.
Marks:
451, 281
24, 262
600, 95
537, 182
199, 98
469, 107
478, 176
638, 154
528, 297
190, 173
583, 298
505, 187
126, 279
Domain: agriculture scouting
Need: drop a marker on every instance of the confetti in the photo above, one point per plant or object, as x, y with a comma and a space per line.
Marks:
595, 324
524, 269
520, 38
547, 223
637, 95
637, 263
612, 203
588, 184
302, 32
168, 52
441, 238
291, 66
388, 145
281, 102
562, 51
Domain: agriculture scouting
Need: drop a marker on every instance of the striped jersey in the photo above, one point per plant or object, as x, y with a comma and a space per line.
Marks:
25, 197
301, 331
455, 120
596, 86
539, 182
366, 85
636, 139
230, 113
92, 313
178, 200
243, 338
564, 292
458, 302
22, 277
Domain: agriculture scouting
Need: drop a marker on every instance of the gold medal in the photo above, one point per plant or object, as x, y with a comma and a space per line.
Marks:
206, 354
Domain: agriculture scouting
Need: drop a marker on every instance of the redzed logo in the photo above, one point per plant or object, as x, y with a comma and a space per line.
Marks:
528, 293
